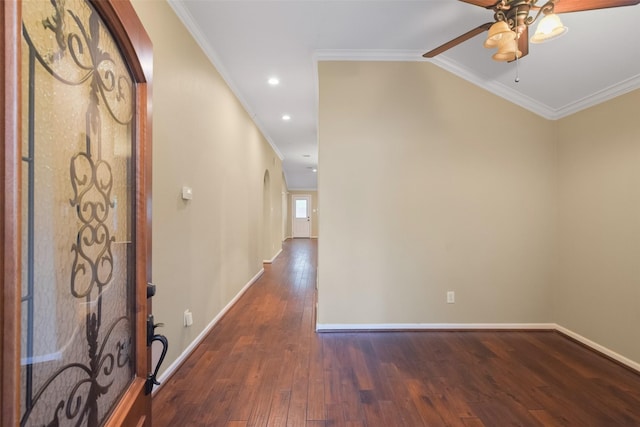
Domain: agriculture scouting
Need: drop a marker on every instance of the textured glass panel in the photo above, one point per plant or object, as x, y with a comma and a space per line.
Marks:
77, 297
301, 208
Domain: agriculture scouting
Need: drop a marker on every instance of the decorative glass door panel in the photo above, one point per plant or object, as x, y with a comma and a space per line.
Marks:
78, 260
301, 209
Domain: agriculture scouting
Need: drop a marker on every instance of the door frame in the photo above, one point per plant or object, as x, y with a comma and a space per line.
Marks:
309, 212
136, 48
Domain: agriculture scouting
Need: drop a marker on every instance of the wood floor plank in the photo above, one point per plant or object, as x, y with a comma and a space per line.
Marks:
315, 395
472, 422
334, 415
263, 364
219, 410
264, 394
297, 414
423, 402
546, 419
279, 409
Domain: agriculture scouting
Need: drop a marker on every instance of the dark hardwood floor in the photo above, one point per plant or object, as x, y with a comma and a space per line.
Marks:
263, 365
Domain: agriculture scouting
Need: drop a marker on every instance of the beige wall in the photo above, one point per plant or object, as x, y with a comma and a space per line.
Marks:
438, 203
204, 250
542, 227
538, 228
314, 211
598, 289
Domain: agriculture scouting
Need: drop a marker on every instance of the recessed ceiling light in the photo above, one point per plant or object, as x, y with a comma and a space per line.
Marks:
273, 81
314, 170
286, 117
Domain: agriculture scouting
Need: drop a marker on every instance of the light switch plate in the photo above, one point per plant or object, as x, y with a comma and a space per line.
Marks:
187, 193
188, 318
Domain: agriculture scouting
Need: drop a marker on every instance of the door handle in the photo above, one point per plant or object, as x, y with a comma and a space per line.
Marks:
151, 337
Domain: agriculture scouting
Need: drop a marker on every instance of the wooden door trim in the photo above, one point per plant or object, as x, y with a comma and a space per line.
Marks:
11, 262
136, 48
130, 407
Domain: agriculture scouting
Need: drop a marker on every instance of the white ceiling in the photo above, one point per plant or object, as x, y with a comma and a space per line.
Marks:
250, 41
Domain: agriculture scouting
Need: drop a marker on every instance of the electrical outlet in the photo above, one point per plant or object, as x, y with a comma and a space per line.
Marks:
451, 297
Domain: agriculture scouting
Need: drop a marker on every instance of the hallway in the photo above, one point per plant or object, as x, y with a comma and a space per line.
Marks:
263, 364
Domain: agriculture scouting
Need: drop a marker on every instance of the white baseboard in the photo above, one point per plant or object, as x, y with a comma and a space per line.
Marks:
187, 351
599, 348
270, 261
332, 327
372, 327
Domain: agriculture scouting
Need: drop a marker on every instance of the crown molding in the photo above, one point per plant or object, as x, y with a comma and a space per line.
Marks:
600, 96
492, 86
498, 89
187, 20
532, 105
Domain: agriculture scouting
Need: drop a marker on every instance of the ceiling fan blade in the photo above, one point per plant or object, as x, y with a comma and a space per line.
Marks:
487, 4
452, 43
566, 6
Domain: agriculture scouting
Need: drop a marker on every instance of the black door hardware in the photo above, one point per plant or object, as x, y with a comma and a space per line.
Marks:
151, 337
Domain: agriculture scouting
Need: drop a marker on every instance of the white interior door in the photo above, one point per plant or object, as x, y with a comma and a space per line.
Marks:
301, 216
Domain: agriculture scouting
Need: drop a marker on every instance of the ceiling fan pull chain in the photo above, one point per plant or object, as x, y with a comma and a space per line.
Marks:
517, 61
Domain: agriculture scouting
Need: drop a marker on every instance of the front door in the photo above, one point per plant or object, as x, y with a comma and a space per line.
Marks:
76, 234
301, 216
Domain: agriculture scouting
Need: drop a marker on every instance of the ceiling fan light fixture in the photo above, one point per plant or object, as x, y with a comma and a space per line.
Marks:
498, 32
549, 27
507, 51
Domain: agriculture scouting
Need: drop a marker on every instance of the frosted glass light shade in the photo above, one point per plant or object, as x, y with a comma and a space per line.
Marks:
498, 32
549, 28
507, 51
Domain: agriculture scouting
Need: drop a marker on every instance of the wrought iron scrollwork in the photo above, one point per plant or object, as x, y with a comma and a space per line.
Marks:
91, 181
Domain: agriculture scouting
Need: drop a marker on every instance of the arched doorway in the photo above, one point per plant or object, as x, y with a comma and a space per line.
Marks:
266, 218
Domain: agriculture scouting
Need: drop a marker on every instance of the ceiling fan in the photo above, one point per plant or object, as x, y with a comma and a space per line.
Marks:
509, 32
